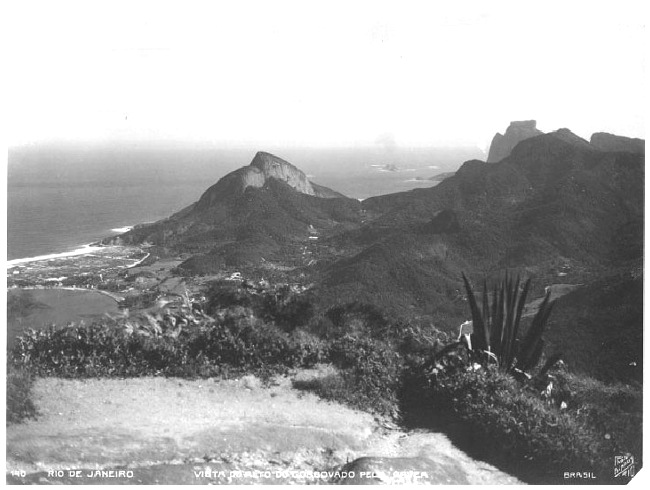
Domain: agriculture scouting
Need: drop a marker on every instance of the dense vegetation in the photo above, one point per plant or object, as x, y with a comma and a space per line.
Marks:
497, 325
599, 329
387, 293
540, 426
235, 344
535, 431
537, 420
557, 209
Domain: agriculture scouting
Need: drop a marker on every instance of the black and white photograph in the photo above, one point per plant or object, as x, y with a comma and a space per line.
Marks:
320, 242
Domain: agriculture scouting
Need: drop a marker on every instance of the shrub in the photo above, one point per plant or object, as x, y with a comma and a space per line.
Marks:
370, 377
357, 318
233, 345
613, 409
309, 350
533, 437
287, 308
226, 296
284, 306
496, 327
417, 342
539, 426
141, 300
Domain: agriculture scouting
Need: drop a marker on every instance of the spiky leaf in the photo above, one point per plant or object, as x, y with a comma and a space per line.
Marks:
480, 339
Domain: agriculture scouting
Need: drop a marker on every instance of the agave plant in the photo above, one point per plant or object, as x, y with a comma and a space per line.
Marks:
497, 326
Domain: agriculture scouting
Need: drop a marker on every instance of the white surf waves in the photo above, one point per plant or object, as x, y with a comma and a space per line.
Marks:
86, 249
124, 229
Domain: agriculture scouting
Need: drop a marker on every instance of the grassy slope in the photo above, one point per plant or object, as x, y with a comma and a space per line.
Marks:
599, 329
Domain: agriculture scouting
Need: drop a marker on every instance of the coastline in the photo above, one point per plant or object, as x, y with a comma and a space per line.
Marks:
118, 299
83, 250
86, 266
123, 229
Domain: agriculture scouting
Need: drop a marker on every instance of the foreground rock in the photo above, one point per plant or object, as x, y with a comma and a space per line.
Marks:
403, 471
155, 430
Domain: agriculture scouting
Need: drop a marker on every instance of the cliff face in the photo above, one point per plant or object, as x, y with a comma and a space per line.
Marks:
502, 144
612, 142
263, 167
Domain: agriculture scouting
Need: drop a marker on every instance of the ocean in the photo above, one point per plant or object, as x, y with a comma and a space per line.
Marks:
61, 217
63, 197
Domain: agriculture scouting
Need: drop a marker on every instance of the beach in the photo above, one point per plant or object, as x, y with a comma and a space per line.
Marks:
68, 287
83, 261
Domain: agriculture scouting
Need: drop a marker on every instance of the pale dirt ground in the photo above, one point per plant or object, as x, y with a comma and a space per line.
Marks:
165, 429
557, 291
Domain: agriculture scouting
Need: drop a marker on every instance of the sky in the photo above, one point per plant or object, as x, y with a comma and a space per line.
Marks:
321, 73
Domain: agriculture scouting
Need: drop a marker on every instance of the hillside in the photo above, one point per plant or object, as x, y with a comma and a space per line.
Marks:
554, 206
599, 328
441, 177
270, 275
257, 212
557, 209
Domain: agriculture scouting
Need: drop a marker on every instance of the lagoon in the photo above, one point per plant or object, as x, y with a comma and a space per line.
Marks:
60, 307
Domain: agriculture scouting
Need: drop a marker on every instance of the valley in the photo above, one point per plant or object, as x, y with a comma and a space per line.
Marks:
270, 275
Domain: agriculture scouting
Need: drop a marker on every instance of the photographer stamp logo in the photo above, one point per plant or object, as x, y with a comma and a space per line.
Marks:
624, 466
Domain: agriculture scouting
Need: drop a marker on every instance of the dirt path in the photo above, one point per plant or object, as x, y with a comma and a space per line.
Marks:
557, 291
159, 430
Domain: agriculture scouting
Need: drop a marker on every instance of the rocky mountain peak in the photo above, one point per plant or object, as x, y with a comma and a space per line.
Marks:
570, 137
502, 144
612, 142
265, 165
522, 126
257, 174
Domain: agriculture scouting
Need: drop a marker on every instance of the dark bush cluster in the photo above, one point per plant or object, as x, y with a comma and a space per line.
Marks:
371, 373
615, 410
540, 422
538, 426
234, 342
232, 345
284, 306
358, 319
142, 300
534, 435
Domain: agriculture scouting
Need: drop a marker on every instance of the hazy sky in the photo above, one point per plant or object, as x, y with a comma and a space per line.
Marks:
322, 72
